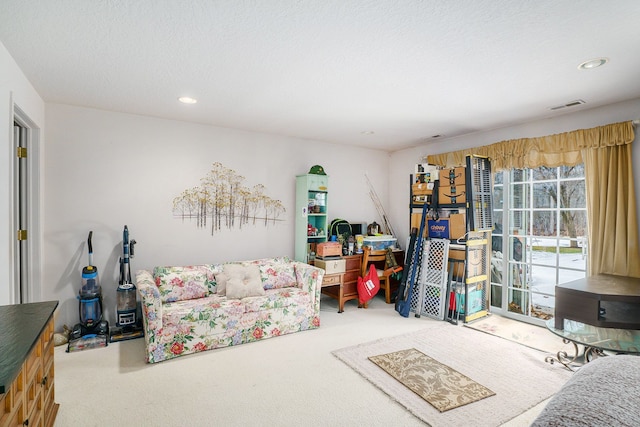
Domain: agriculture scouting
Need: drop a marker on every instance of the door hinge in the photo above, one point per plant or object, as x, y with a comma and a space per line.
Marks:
22, 234
21, 152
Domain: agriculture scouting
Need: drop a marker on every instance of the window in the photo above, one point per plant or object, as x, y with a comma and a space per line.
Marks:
539, 238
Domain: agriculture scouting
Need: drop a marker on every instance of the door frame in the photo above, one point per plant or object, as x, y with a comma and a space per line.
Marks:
32, 291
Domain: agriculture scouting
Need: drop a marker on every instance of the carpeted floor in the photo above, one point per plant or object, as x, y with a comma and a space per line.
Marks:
522, 333
518, 375
292, 380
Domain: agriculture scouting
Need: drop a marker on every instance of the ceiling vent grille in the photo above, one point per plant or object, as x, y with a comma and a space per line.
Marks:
568, 104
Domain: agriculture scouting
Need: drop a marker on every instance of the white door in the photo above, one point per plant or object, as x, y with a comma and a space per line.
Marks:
20, 198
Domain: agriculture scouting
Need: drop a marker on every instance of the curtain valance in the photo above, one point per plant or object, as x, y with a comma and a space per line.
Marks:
563, 149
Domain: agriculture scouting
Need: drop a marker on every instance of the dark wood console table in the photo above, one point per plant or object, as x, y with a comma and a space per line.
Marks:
603, 300
27, 382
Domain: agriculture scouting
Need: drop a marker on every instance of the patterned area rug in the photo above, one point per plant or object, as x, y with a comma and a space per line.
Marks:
444, 388
518, 375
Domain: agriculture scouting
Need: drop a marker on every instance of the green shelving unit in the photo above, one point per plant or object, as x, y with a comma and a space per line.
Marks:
311, 214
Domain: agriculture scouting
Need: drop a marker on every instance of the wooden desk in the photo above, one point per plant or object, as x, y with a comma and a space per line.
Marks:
603, 300
343, 286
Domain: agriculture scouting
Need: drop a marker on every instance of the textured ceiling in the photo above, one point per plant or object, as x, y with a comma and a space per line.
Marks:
329, 70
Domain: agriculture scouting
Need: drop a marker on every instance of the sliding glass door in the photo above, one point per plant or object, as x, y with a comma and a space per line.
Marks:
539, 239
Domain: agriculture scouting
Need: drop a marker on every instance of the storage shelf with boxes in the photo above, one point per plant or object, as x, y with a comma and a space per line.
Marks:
450, 192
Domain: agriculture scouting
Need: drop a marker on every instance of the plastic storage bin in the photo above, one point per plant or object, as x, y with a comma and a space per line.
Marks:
378, 243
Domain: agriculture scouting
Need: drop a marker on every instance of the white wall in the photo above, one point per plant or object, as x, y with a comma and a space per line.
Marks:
403, 162
14, 89
104, 170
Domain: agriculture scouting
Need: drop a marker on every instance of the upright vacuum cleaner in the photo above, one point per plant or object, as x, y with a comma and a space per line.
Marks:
92, 331
128, 313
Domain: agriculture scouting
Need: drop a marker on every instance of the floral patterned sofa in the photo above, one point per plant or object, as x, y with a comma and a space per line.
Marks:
187, 309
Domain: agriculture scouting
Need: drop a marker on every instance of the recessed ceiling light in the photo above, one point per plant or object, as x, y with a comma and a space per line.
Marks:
367, 132
187, 100
593, 63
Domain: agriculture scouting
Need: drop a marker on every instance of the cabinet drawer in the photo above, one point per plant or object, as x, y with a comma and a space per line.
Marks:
33, 395
11, 399
351, 276
47, 339
15, 418
33, 361
350, 288
332, 266
49, 410
48, 375
353, 263
47, 353
332, 279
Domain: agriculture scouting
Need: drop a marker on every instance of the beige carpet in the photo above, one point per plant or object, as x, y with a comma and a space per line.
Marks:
444, 388
293, 380
518, 375
533, 336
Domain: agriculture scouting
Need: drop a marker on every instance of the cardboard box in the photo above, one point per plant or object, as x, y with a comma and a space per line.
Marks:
422, 199
452, 195
331, 266
439, 229
457, 226
458, 267
426, 172
422, 189
453, 177
475, 266
476, 302
474, 262
327, 249
415, 220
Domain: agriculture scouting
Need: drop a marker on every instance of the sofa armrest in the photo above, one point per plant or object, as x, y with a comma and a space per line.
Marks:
309, 278
151, 309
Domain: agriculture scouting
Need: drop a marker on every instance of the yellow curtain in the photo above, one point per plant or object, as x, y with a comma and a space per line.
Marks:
611, 200
611, 209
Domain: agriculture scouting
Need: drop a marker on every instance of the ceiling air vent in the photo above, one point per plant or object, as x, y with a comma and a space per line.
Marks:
568, 104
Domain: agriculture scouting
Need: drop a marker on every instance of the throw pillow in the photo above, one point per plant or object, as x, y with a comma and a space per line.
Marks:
182, 285
221, 283
243, 281
278, 274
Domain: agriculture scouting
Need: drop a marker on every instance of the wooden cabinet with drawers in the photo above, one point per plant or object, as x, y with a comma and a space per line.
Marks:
344, 286
27, 373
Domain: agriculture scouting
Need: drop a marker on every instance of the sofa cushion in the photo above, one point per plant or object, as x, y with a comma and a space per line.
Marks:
201, 312
278, 298
243, 281
184, 283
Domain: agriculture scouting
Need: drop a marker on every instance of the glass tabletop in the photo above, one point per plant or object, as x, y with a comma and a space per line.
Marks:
608, 339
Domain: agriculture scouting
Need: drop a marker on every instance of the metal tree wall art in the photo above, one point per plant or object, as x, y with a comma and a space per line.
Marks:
224, 201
